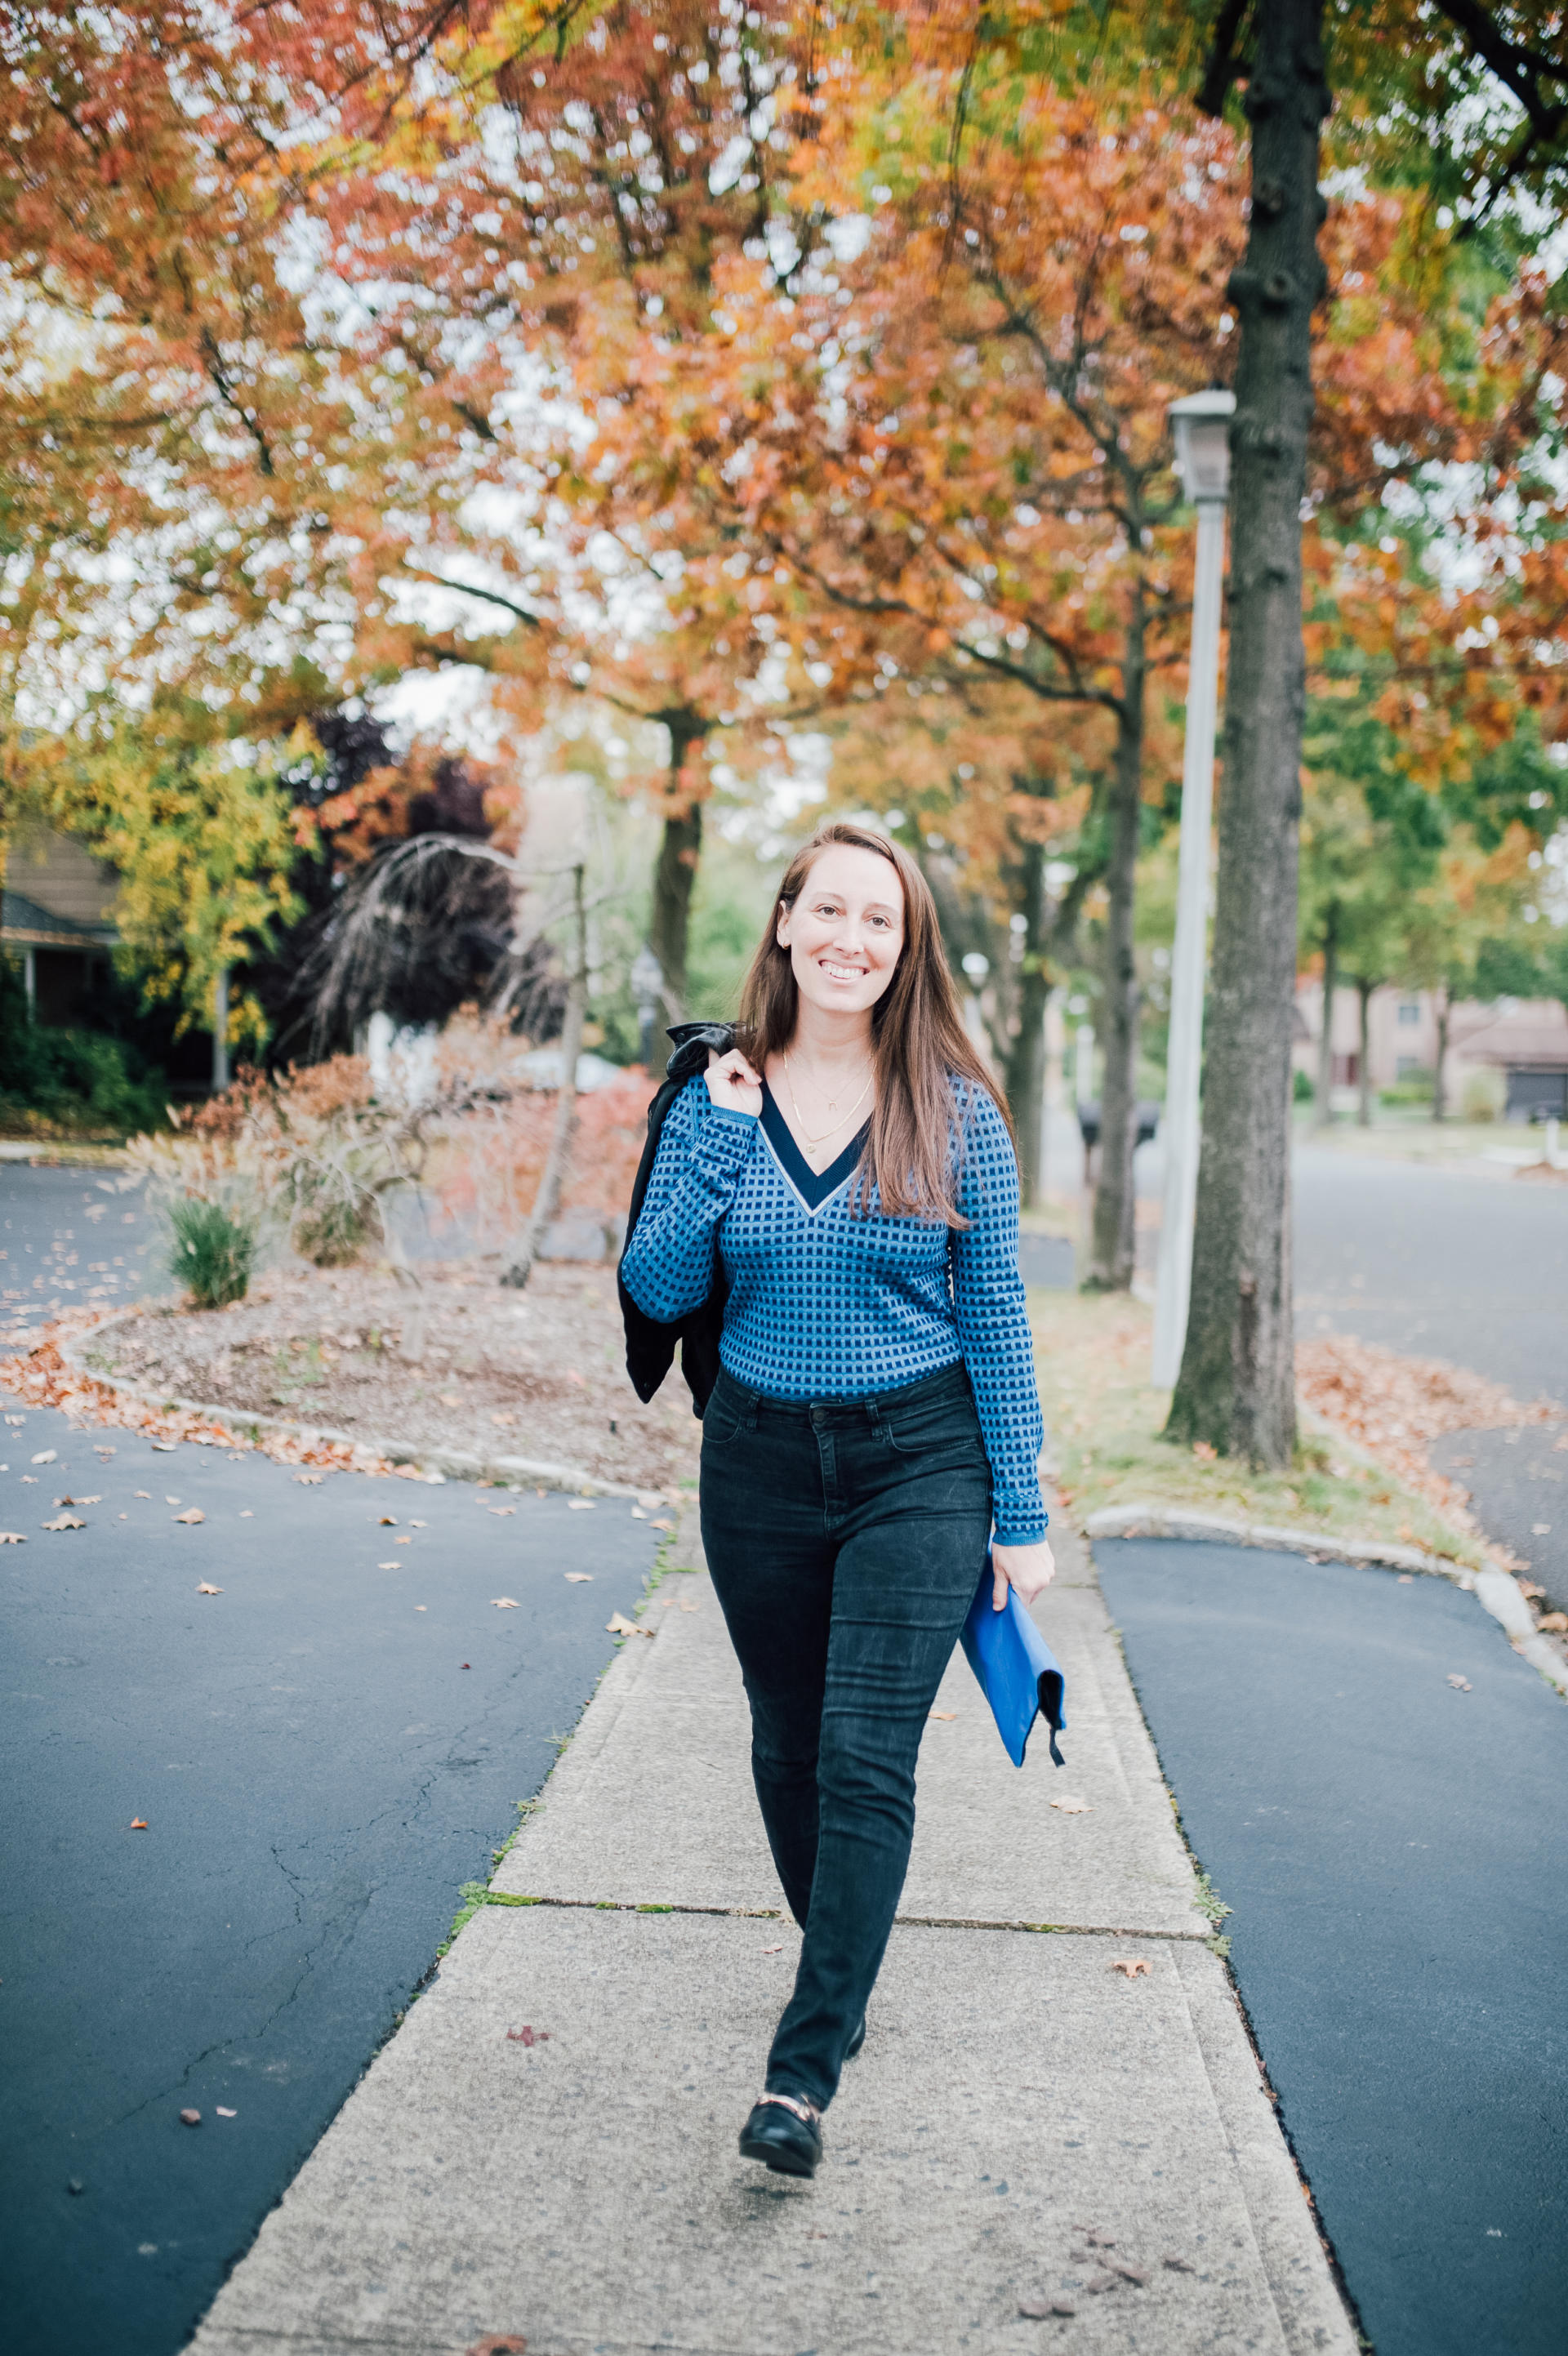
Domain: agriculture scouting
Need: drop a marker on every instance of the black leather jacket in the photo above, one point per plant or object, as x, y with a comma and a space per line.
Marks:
651, 1346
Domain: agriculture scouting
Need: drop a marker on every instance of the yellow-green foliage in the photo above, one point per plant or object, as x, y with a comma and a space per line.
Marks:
202, 842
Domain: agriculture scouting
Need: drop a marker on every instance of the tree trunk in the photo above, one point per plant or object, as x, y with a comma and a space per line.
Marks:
675, 876
1026, 1072
547, 1200
1364, 1058
1236, 1389
1439, 1077
1322, 1111
1114, 1244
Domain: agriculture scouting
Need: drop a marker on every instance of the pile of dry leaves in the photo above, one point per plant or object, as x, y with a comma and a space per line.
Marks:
1392, 1405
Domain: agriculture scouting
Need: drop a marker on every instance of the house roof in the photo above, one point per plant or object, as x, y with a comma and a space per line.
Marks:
24, 923
1531, 1040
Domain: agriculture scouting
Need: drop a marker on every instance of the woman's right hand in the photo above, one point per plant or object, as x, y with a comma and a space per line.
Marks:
733, 1084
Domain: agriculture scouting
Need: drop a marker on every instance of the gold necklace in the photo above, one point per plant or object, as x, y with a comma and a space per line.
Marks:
828, 1101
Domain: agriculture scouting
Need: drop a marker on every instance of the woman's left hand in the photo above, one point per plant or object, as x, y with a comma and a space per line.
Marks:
1029, 1568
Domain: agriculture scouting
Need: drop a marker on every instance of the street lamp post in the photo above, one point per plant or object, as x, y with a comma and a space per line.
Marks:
1201, 426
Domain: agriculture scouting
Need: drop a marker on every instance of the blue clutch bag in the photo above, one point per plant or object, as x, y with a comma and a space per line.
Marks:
1017, 1670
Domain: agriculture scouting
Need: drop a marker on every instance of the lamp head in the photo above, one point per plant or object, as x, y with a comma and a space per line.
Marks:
1201, 428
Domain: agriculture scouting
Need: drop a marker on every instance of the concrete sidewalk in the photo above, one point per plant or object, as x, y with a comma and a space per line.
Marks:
547, 2147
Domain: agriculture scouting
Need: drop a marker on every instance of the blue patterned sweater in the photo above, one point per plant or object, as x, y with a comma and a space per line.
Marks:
826, 1304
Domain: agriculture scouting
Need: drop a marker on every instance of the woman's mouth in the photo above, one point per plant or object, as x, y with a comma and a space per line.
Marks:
836, 972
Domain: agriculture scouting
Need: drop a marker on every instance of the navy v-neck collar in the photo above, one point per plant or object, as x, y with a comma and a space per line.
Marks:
813, 1186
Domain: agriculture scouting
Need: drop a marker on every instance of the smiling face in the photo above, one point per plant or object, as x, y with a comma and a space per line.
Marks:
845, 930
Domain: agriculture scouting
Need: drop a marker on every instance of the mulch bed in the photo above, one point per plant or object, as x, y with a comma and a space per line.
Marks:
455, 1363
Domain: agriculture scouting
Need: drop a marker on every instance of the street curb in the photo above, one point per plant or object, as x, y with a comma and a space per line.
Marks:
444, 1463
1498, 1591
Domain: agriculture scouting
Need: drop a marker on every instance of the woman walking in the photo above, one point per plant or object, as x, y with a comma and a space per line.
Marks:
875, 1411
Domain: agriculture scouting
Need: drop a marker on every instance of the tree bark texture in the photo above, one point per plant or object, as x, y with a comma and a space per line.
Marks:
1236, 1389
1440, 1076
1114, 1240
1364, 1059
675, 877
1322, 1111
1026, 1069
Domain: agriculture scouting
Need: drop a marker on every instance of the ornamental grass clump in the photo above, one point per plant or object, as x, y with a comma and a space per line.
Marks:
213, 1249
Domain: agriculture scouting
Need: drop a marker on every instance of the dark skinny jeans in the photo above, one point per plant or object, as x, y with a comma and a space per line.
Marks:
845, 1539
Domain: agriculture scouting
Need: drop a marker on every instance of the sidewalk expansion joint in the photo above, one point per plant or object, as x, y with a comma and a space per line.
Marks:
906, 1921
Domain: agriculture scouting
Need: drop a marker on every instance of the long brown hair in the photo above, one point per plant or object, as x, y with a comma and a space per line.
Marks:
918, 1043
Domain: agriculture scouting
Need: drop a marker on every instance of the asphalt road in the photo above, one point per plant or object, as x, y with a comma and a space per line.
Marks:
1471, 1269
1395, 1851
70, 1236
1435, 1263
319, 1772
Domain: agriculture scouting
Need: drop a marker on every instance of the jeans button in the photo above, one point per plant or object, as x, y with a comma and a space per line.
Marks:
818, 1417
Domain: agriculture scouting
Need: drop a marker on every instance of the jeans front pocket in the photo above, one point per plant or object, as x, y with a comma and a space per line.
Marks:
948, 1428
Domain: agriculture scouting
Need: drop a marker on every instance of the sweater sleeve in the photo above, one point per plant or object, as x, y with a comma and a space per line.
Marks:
669, 1263
993, 1324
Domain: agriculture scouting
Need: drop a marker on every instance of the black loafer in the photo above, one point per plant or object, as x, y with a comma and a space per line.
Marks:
784, 2135
856, 2042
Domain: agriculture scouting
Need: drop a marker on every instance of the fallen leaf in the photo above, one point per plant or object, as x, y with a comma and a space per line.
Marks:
402, 1541
1540, 1529
504, 1417
1097, 2282
498, 2343
223, 2114
500, 1509
573, 1376
579, 1504
393, 1565
1459, 1684
449, 1399
638, 1514
12, 1538
45, 1456
143, 1493
191, 2118
1139, 2274
247, 1513
163, 1447
422, 1607
66, 1522
1554, 1623
1130, 1967
464, 1664
580, 1578
138, 1823
79, 1501
1177, 2264
526, 2036
191, 1514
205, 1590
170, 1500
772, 1950
308, 1480
619, 1625
661, 1525
388, 1522
1034, 2308
1071, 1805
945, 1716
505, 1603
418, 1525
1204, 1453
690, 1607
